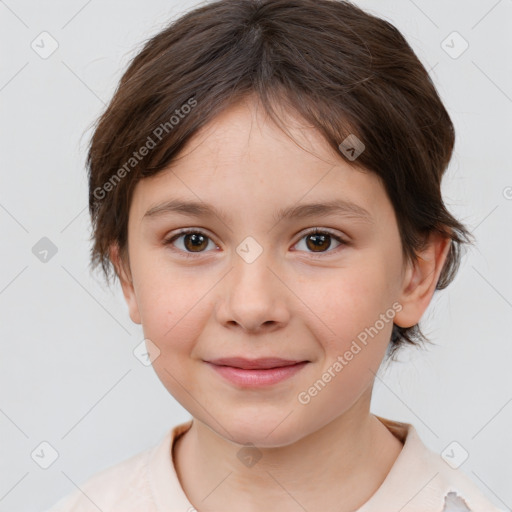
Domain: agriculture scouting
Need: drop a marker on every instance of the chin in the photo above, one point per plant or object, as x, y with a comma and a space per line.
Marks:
264, 431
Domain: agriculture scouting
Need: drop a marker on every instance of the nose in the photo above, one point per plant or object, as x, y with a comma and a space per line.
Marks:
253, 298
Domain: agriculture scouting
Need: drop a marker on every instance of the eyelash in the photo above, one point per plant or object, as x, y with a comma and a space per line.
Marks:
314, 231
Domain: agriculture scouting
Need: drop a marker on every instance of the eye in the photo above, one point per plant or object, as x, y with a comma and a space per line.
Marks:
318, 241
193, 241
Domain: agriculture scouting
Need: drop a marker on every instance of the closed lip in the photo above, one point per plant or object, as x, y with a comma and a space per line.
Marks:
255, 364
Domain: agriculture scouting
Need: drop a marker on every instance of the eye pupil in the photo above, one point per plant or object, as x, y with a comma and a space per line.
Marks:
197, 241
318, 242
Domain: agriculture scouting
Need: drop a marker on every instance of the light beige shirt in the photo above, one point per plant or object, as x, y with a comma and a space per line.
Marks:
419, 481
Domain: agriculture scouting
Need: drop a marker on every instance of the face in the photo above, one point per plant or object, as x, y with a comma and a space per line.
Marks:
251, 281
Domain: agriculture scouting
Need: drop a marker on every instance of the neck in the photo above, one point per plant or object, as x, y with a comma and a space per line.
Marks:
340, 466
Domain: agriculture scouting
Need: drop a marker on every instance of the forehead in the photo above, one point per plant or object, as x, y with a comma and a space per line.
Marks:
242, 160
245, 130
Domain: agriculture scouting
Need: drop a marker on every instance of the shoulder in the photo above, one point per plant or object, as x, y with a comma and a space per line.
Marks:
423, 480
124, 486
458, 490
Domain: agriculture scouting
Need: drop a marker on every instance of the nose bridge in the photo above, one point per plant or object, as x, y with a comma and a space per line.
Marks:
253, 296
251, 279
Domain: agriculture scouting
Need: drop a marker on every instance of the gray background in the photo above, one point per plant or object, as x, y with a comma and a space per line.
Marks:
68, 373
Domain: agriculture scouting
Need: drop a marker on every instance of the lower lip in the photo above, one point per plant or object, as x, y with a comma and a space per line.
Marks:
257, 378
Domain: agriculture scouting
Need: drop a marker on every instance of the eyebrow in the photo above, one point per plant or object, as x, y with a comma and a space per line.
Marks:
201, 209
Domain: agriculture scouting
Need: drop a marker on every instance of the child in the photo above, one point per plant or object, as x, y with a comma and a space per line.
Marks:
266, 185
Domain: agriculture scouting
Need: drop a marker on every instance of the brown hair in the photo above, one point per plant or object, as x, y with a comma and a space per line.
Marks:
341, 69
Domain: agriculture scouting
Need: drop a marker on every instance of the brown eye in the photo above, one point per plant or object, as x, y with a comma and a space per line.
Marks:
320, 241
195, 242
189, 242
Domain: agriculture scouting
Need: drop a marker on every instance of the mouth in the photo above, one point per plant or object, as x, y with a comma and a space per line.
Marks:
256, 372
263, 363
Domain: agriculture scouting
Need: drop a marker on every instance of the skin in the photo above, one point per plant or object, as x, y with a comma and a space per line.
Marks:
291, 302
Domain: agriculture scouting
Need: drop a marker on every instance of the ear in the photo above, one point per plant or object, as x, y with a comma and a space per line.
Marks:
420, 280
123, 272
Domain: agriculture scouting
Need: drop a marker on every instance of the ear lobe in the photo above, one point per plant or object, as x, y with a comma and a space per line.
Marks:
123, 273
420, 280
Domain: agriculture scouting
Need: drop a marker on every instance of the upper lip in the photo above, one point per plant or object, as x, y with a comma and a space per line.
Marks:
254, 364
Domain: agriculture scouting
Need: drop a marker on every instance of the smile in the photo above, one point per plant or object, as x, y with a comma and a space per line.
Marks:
257, 377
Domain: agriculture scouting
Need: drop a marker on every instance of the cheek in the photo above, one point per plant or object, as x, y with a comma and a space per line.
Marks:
174, 311
172, 306
347, 301
347, 322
